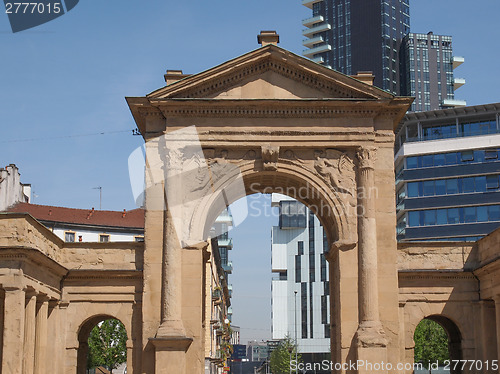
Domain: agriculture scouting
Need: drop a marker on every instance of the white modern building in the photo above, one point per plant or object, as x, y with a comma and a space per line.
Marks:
300, 289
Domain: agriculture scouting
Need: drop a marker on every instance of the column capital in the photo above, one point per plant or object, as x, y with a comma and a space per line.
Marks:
366, 157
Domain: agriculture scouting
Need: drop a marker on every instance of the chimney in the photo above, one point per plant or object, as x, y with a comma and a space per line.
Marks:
268, 37
365, 77
173, 76
124, 213
50, 212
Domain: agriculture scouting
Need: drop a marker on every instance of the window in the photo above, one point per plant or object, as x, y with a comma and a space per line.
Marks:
414, 219
490, 154
441, 217
413, 189
494, 212
298, 266
467, 156
103, 238
470, 214
300, 248
482, 214
427, 161
412, 162
492, 182
428, 188
139, 238
467, 185
440, 187
429, 217
453, 216
480, 183
450, 158
69, 237
451, 186
292, 214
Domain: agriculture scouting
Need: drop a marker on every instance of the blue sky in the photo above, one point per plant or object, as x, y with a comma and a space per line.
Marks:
67, 79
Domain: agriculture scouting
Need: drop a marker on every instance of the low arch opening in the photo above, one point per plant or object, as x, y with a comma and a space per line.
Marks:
102, 344
437, 341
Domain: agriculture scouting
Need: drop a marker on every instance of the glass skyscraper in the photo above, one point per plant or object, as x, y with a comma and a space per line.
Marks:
428, 71
448, 174
362, 35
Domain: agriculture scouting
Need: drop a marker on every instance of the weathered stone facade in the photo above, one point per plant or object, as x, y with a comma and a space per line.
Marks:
284, 124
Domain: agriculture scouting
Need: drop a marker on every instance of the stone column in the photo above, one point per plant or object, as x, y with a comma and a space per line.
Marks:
371, 340
13, 333
41, 335
29, 333
497, 313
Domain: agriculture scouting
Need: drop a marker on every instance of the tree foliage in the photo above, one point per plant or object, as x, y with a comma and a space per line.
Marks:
431, 343
107, 345
280, 357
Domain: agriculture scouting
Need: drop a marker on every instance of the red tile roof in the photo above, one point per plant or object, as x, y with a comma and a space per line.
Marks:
130, 219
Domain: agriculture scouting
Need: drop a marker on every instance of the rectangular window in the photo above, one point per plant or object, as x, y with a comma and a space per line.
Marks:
492, 182
311, 314
323, 267
453, 216
480, 184
451, 186
429, 217
412, 162
300, 248
467, 156
494, 212
491, 154
324, 309
470, 214
467, 185
440, 187
413, 189
482, 214
292, 214
441, 217
69, 237
103, 238
327, 331
303, 308
450, 158
439, 160
414, 218
428, 188
298, 269
427, 161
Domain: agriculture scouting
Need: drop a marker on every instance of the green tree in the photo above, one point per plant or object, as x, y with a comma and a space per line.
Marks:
107, 345
280, 357
431, 343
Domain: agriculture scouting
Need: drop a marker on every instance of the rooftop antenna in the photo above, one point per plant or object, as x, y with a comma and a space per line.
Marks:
100, 196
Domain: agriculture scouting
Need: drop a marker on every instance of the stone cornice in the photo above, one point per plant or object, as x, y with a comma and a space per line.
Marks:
34, 256
452, 274
98, 274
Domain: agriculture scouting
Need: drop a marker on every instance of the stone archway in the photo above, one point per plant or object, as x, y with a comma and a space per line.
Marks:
271, 120
454, 339
83, 337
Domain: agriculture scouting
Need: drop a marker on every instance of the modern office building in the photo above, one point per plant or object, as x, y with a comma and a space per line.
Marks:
362, 35
447, 174
428, 71
300, 289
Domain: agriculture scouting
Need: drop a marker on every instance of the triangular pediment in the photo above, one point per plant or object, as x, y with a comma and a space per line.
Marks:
270, 72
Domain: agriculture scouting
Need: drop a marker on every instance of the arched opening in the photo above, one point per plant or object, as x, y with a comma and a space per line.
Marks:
437, 340
298, 273
102, 343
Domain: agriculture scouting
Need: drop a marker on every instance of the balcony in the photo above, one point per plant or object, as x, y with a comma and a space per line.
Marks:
309, 3
452, 103
458, 82
320, 49
318, 60
308, 22
228, 268
310, 42
314, 30
457, 61
225, 242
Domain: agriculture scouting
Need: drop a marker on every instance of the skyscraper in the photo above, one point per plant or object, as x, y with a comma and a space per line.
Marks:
362, 35
428, 71
300, 289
